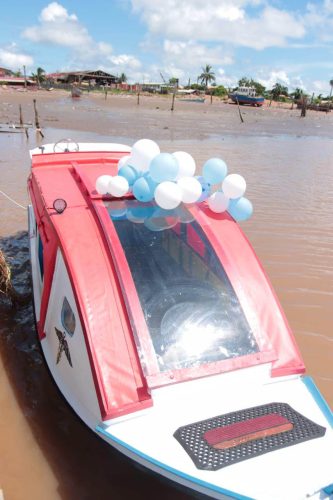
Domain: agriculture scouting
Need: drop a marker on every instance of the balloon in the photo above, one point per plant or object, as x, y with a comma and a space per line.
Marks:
168, 195
234, 186
161, 219
164, 167
128, 173
143, 152
184, 214
205, 187
218, 202
124, 160
214, 170
139, 213
118, 186
102, 184
151, 183
191, 189
118, 209
186, 164
142, 190
240, 209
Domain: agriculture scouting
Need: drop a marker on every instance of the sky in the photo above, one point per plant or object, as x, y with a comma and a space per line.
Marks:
273, 41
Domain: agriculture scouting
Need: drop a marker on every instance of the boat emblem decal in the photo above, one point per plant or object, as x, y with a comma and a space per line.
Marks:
63, 346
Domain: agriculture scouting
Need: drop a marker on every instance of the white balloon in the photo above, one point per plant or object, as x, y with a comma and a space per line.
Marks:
143, 152
102, 184
218, 202
124, 160
191, 189
168, 195
234, 186
118, 186
186, 164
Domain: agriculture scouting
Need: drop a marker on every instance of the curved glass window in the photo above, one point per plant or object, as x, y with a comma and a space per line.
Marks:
191, 310
67, 317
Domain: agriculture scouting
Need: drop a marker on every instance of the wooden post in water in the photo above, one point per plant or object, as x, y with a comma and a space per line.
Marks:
21, 117
173, 99
239, 111
304, 104
105, 93
138, 99
25, 129
37, 119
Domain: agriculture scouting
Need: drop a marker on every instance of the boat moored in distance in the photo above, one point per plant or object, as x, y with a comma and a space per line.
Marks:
163, 333
247, 95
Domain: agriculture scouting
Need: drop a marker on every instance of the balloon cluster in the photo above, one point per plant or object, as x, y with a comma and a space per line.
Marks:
169, 180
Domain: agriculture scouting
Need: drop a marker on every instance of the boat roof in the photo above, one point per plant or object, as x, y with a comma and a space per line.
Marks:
106, 295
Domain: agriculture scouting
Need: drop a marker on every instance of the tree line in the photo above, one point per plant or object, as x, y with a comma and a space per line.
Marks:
206, 81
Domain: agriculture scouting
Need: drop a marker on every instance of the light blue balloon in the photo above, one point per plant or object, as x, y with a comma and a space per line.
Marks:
151, 183
140, 212
206, 188
214, 170
240, 209
129, 173
161, 219
142, 191
164, 167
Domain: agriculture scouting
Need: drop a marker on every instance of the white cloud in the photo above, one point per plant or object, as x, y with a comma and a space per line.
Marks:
59, 27
194, 55
321, 87
56, 12
275, 77
12, 58
319, 20
219, 21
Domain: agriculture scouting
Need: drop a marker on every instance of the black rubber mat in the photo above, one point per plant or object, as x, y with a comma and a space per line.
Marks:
193, 437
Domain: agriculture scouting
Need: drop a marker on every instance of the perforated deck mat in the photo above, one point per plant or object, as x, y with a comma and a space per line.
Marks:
227, 439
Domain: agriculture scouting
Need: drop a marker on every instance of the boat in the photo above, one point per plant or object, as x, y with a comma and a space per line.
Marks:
163, 333
247, 95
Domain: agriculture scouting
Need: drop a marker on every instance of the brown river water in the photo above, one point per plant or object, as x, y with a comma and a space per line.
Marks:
46, 452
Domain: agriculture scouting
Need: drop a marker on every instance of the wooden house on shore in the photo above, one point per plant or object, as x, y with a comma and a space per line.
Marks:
91, 78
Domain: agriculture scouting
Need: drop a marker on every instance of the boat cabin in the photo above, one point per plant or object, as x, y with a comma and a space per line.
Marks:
132, 298
247, 91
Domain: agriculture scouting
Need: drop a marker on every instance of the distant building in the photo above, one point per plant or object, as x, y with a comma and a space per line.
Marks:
5, 72
93, 78
16, 81
153, 87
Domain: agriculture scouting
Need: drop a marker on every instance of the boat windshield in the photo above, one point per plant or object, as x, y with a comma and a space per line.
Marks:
192, 312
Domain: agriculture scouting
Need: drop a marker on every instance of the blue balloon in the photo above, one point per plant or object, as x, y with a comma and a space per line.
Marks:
164, 167
129, 173
142, 191
214, 170
151, 183
140, 212
240, 209
206, 188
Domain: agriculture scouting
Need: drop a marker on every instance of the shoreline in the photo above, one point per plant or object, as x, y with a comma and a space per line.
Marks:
120, 115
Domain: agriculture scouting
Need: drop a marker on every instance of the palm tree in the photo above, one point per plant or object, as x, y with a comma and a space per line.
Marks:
278, 90
39, 76
123, 78
297, 94
207, 75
